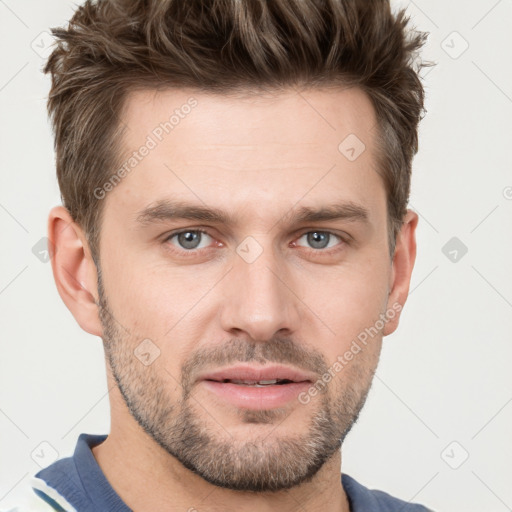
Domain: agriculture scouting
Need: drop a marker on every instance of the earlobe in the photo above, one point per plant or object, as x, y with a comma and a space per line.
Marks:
74, 270
402, 267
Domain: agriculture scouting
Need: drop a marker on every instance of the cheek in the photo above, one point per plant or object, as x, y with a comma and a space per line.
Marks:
348, 297
152, 299
348, 306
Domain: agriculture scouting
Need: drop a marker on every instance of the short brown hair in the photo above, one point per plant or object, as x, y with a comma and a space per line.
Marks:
112, 47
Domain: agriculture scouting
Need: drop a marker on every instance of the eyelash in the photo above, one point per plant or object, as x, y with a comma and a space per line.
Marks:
193, 252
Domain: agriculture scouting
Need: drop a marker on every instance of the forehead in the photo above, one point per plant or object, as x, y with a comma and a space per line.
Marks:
316, 116
309, 146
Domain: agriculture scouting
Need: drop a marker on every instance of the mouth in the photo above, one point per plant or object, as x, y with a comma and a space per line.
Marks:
256, 387
268, 375
258, 384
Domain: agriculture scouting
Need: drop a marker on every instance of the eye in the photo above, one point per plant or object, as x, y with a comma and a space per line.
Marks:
320, 240
189, 239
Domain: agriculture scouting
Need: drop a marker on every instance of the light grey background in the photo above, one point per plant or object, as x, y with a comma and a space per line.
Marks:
443, 388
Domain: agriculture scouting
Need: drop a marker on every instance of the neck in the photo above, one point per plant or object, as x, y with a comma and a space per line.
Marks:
147, 478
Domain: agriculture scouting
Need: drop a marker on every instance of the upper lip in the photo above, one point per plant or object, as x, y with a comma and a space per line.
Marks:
255, 373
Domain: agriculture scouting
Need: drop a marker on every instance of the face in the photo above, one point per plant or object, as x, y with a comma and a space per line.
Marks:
245, 244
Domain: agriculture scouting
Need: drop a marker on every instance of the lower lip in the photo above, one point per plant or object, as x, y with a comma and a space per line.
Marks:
252, 397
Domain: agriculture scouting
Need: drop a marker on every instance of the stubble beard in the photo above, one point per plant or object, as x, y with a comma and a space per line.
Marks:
193, 433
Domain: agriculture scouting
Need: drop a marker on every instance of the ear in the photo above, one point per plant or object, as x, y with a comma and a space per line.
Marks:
74, 270
402, 266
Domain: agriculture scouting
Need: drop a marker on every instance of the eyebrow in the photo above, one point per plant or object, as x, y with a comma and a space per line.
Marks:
165, 210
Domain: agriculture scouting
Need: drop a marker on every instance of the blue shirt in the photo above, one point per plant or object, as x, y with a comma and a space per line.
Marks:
77, 484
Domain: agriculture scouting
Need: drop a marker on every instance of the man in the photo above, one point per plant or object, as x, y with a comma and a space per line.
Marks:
235, 177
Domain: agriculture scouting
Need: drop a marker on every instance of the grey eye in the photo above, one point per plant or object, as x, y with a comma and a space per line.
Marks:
189, 240
320, 239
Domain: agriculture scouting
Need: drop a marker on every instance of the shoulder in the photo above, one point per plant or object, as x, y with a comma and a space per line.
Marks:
37, 496
363, 499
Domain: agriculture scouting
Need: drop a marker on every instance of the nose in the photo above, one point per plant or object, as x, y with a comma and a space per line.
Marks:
259, 299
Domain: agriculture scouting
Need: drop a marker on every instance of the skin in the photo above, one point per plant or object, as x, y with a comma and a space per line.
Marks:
297, 303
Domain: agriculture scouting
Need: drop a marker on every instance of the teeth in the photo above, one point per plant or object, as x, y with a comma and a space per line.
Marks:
255, 383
